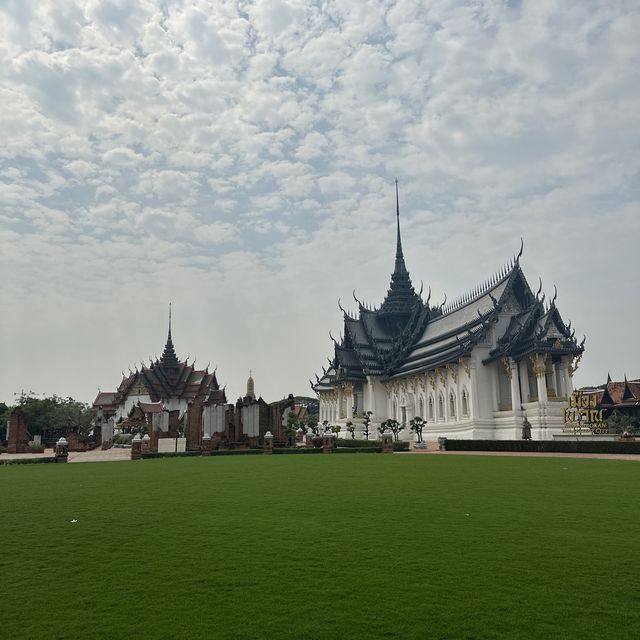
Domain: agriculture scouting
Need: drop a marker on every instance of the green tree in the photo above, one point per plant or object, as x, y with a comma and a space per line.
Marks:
51, 414
417, 425
619, 422
351, 429
393, 425
366, 423
4, 417
291, 426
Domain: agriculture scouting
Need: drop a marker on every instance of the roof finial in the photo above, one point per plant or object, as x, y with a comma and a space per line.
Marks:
169, 319
399, 255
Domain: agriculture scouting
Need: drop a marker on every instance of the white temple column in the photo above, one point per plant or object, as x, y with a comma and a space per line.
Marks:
445, 395
474, 410
515, 387
348, 394
524, 381
495, 384
540, 370
559, 380
554, 379
371, 406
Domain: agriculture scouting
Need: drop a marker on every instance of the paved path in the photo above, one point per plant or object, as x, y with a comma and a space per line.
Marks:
95, 455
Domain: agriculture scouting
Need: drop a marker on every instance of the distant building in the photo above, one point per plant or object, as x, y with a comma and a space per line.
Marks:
472, 369
171, 398
623, 396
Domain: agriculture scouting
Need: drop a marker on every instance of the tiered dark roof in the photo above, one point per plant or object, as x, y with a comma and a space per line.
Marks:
405, 335
167, 378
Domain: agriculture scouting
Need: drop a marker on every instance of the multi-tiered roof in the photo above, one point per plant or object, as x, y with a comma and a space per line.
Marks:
164, 379
405, 335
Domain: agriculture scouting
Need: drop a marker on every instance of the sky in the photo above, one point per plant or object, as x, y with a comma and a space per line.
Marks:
238, 158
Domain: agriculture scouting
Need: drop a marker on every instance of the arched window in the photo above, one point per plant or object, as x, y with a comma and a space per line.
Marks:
431, 408
465, 403
440, 406
452, 406
421, 407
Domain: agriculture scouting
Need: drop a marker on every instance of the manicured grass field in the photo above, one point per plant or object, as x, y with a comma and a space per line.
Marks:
350, 546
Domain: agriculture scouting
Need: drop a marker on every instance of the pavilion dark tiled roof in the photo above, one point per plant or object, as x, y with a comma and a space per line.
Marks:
167, 378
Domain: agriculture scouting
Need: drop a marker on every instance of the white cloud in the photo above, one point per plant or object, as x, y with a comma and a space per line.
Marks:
238, 158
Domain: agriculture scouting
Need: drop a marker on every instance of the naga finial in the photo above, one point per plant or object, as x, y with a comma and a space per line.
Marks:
540, 287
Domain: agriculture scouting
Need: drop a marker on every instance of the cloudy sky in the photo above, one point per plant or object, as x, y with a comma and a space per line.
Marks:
237, 158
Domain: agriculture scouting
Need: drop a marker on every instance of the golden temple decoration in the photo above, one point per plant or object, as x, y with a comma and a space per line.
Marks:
573, 365
466, 363
507, 367
539, 363
453, 371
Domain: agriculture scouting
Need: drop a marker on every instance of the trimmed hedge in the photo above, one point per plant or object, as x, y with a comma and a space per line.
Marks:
358, 450
296, 450
28, 461
365, 444
188, 454
358, 444
545, 446
169, 454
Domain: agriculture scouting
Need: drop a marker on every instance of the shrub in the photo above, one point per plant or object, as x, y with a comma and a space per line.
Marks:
169, 454
28, 461
545, 446
360, 444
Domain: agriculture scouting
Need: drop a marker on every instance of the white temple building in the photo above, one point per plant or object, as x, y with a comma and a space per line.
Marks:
472, 369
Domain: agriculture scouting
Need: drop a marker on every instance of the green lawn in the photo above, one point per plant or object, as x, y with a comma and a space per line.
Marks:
349, 546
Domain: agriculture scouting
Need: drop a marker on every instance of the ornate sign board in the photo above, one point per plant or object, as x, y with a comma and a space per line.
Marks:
582, 415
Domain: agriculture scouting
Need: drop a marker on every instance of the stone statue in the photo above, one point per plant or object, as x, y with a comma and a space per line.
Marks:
526, 429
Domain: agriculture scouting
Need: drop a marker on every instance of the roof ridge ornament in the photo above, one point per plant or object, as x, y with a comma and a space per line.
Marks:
521, 250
